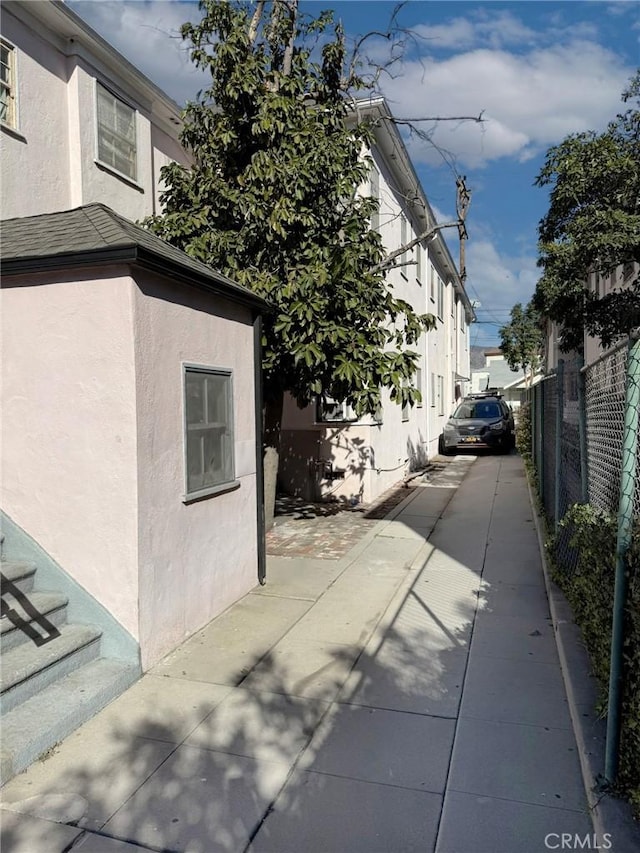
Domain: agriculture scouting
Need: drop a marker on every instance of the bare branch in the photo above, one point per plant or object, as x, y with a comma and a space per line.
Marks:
288, 51
255, 22
477, 119
387, 263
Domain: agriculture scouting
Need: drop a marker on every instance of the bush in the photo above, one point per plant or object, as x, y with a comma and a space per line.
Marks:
589, 587
523, 431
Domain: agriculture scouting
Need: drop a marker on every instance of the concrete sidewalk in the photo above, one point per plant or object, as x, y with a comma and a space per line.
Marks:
406, 697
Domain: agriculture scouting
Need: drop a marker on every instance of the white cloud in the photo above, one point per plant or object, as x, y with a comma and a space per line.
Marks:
531, 100
148, 35
494, 30
497, 280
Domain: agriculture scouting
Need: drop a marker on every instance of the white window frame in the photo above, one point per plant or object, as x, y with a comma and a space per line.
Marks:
11, 121
432, 282
433, 390
341, 412
104, 161
440, 395
228, 481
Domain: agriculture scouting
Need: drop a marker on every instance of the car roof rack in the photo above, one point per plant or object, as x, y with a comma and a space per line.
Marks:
481, 395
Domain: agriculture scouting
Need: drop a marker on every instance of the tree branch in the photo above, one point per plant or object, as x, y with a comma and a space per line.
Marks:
387, 263
255, 22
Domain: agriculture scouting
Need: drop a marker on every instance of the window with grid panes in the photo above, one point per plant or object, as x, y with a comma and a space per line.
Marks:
7, 84
116, 133
209, 429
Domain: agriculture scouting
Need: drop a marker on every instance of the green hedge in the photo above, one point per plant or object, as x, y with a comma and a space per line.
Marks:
589, 589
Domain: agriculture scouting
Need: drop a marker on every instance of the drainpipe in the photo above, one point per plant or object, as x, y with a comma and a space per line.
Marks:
259, 440
625, 524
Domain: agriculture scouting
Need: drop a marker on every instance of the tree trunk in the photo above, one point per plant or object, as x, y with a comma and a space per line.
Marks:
272, 429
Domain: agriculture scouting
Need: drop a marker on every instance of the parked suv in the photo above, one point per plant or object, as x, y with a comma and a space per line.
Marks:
480, 420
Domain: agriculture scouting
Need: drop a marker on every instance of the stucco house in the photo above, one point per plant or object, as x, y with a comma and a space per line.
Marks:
78, 122
327, 452
131, 463
497, 375
130, 478
600, 284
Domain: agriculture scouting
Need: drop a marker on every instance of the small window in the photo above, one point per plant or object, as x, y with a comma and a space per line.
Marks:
7, 84
419, 272
433, 391
440, 298
116, 133
441, 395
432, 282
419, 387
209, 429
329, 410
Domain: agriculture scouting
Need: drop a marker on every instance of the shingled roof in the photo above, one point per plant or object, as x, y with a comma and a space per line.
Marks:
95, 234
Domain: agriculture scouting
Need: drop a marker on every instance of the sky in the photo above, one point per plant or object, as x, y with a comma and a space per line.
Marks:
537, 71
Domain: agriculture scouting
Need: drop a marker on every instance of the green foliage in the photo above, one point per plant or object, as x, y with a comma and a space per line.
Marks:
523, 431
521, 339
271, 201
589, 588
592, 225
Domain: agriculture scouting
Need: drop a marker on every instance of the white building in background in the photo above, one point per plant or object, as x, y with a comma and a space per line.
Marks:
80, 124
329, 453
600, 284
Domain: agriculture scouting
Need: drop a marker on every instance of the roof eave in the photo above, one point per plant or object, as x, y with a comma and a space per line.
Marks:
138, 256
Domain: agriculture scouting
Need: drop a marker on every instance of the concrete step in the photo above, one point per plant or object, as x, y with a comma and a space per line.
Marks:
44, 720
29, 668
35, 615
18, 572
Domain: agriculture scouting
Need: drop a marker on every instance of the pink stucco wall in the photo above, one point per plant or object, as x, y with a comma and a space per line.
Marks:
68, 475
194, 559
92, 445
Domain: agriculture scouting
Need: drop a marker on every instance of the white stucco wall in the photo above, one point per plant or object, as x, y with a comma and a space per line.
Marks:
68, 475
195, 559
50, 163
35, 159
374, 458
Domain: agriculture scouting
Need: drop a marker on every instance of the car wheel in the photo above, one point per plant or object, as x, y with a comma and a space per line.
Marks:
443, 450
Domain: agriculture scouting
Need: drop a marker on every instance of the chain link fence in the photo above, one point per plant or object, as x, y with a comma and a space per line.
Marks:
584, 452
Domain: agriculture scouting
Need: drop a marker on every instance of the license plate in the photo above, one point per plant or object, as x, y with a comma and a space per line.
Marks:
471, 439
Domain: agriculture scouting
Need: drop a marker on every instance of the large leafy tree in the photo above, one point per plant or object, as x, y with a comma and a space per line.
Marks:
592, 226
522, 340
271, 200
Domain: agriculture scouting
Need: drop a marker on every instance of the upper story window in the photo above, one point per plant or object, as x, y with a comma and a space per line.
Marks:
440, 298
116, 133
7, 84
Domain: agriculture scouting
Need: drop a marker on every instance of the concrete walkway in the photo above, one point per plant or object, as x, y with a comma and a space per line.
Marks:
406, 697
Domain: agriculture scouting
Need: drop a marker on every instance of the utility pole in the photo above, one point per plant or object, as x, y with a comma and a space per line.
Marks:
463, 200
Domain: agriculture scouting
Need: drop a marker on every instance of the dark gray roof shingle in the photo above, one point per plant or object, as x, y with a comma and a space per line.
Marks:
95, 233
